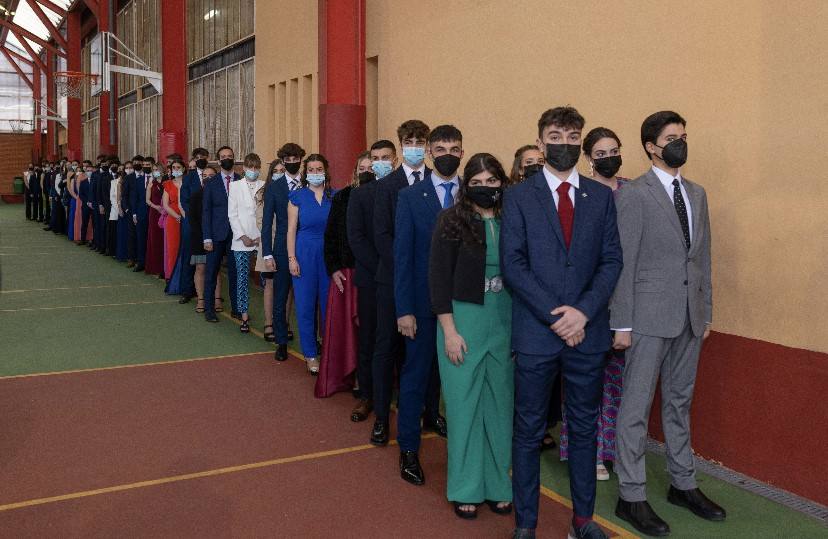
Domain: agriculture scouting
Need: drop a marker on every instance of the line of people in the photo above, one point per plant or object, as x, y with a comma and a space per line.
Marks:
522, 298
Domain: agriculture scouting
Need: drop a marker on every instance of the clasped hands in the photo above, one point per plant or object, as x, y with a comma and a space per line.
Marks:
570, 325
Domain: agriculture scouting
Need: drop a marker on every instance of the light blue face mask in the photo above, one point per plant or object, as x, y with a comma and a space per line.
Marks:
177, 173
156, 174
277, 176
251, 175
315, 179
413, 155
381, 168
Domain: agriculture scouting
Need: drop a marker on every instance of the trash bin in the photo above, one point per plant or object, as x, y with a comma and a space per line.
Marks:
18, 185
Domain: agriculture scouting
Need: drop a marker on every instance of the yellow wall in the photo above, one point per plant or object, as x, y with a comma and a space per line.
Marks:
748, 75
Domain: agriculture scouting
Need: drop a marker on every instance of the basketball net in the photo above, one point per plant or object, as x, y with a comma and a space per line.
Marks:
70, 83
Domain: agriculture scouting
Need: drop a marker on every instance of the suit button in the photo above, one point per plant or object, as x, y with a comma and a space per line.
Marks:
569, 264
685, 283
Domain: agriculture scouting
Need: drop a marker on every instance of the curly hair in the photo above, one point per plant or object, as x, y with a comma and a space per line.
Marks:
458, 221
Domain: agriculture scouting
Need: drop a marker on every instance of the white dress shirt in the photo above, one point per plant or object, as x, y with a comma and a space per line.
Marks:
438, 181
667, 181
554, 182
293, 183
241, 211
409, 172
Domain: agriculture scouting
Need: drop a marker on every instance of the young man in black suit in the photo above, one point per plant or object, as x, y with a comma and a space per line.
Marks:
412, 135
360, 229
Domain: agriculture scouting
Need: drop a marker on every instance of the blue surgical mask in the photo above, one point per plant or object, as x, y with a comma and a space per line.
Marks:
177, 173
251, 175
156, 174
382, 168
277, 176
315, 179
413, 155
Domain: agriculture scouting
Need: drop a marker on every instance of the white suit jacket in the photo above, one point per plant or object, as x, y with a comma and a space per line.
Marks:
241, 210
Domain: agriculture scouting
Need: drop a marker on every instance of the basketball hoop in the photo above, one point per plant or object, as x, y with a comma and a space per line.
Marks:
69, 83
18, 126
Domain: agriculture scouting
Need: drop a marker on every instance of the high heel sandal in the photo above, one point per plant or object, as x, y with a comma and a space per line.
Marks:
312, 366
199, 305
245, 326
505, 510
219, 306
465, 514
269, 336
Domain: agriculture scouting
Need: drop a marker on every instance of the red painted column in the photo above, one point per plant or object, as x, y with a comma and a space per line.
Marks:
172, 136
74, 135
51, 126
341, 85
107, 134
37, 143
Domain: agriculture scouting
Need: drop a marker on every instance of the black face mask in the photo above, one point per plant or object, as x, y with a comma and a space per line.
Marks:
483, 196
674, 154
227, 164
293, 168
147, 170
447, 165
607, 166
366, 177
31, 168
113, 169
562, 157
530, 170
201, 163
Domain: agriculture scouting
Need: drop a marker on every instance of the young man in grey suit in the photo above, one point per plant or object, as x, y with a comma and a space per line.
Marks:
661, 312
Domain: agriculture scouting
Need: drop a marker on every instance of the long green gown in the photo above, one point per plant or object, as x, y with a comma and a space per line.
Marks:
479, 393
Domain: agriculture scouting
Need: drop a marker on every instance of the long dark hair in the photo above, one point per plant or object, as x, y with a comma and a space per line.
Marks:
269, 178
460, 219
321, 158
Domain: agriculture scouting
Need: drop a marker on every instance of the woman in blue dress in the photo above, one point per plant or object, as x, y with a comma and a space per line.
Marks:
307, 217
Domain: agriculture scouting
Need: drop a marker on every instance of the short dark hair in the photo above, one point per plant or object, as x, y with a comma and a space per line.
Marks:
567, 117
200, 152
445, 133
597, 134
224, 148
101, 157
654, 124
149, 158
412, 129
384, 143
175, 157
138, 158
87, 162
290, 149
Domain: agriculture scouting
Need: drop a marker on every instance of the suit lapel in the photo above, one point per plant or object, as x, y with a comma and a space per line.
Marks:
658, 192
547, 206
430, 194
694, 194
582, 208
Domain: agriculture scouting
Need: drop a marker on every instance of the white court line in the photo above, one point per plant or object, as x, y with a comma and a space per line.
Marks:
29, 309
75, 288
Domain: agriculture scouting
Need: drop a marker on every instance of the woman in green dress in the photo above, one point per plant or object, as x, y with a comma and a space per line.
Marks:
473, 341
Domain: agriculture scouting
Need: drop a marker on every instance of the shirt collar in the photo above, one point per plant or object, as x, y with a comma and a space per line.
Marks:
408, 170
665, 178
554, 182
289, 178
437, 181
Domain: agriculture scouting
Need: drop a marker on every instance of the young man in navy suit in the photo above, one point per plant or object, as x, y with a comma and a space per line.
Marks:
132, 170
561, 257
215, 226
388, 347
274, 250
140, 211
417, 210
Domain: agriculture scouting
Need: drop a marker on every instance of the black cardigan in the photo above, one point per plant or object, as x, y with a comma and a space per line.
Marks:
457, 269
337, 252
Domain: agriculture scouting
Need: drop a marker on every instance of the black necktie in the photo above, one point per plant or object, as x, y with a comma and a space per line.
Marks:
416, 175
681, 210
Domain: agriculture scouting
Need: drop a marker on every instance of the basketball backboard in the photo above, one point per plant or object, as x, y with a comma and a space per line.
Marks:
98, 50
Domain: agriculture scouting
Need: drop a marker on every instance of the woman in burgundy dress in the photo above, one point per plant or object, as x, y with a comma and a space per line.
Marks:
154, 264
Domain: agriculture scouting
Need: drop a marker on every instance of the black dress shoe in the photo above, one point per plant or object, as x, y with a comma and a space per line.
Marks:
379, 433
438, 425
138, 269
642, 517
523, 533
410, 468
281, 353
697, 502
210, 316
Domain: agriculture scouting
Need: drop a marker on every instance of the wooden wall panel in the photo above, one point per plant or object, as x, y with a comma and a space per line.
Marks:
234, 99
247, 72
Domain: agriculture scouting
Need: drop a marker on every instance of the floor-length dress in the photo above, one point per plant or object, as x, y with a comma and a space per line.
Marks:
154, 263
70, 223
172, 239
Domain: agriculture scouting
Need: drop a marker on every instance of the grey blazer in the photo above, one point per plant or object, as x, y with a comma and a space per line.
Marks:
662, 282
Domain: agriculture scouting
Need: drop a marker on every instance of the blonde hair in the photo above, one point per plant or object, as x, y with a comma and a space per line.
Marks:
355, 175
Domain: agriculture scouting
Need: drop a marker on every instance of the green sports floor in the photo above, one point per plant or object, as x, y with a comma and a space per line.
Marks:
65, 308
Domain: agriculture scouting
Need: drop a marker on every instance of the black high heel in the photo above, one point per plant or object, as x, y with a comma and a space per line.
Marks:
245, 326
269, 336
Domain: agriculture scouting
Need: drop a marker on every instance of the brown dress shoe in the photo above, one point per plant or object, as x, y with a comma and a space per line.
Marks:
361, 410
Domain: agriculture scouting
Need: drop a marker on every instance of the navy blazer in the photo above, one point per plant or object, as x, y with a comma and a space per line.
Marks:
385, 209
416, 215
94, 178
138, 197
126, 192
359, 225
34, 183
275, 209
543, 274
215, 224
189, 185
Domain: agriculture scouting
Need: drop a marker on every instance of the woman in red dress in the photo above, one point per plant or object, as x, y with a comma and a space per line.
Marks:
172, 221
154, 264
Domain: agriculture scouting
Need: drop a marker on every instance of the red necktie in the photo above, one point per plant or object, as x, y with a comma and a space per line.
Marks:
565, 212
227, 184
